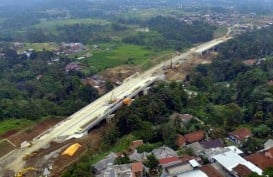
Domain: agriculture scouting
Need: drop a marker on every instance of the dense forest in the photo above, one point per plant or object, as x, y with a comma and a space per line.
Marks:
257, 44
167, 32
32, 87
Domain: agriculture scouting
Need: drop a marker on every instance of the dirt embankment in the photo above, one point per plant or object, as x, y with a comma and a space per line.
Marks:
179, 72
120, 73
51, 157
31, 132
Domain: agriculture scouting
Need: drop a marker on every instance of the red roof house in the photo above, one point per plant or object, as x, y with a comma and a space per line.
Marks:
211, 171
180, 140
240, 135
241, 171
168, 160
137, 169
262, 159
135, 144
195, 136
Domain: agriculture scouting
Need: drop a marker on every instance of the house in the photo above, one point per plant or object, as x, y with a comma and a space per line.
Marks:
196, 147
169, 160
135, 144
268, 144
195, 136
164, 152
135, 156
187, 158
193, 173
117, 171
103, 164
210, 153
211, 171
180, 141
230, 159
250, 62
175, 168
262, 159
239, 135
212, 143
74, 66
137, 169
241, 171
185, 118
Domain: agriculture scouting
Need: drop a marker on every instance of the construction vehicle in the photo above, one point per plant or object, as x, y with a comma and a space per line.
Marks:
22, 172
127, 101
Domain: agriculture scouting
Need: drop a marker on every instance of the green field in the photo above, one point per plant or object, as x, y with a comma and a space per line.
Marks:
123, 54
13, 124
40, 46
53, 24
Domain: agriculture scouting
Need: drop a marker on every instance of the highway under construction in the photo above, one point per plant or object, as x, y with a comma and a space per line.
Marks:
78, 124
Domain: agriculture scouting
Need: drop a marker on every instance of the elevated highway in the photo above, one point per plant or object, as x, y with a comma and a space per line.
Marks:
78, 123
210, 45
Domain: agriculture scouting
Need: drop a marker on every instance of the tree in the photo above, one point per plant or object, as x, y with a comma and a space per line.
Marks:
153, 164
252, 144
168, 135
122, 160
262, 131
108, 86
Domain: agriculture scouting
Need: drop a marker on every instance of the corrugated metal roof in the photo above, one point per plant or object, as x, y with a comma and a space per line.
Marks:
194, 173
230, 160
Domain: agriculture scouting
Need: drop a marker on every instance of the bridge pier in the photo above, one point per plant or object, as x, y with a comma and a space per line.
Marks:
109, 118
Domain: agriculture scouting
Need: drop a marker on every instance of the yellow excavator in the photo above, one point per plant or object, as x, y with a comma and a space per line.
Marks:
22, 172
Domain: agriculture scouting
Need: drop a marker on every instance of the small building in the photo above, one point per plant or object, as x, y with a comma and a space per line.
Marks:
185, 118
229, 160
137, 169
241, 171
135, 156
173, 169
135, 144
180, 140
197, 149
104, 163
262, 159
116, 171
268, 144
212, 143
195, 136
74, 66
164, 152
169, 160
193, 173
187, 158
211, 171
250, 62
240, 135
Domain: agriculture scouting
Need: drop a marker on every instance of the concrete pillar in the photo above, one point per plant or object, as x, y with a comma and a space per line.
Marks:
145, 91
109, 118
